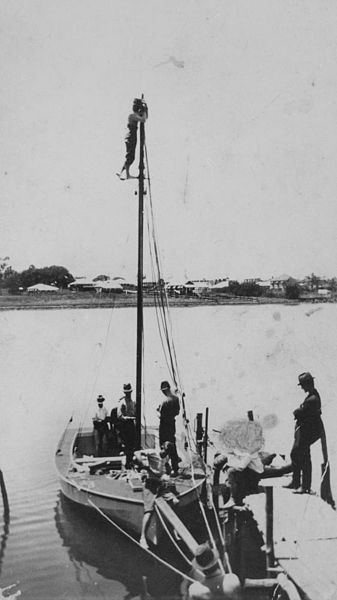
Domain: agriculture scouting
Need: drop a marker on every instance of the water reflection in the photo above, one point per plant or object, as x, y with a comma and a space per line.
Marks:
4, 537
91, 540
6, 517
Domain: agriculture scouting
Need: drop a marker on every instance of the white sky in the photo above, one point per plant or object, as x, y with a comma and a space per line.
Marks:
242, 141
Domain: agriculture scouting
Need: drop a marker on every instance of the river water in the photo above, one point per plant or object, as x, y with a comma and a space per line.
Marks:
231, 359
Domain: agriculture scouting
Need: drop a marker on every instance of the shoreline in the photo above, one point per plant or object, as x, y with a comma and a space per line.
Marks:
82, 301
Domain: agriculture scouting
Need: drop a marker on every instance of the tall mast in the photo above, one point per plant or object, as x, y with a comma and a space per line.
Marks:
139, 366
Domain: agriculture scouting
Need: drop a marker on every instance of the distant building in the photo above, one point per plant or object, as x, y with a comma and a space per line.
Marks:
42, 287
279, 284
265, 284
82, 284
112, 287
221, 286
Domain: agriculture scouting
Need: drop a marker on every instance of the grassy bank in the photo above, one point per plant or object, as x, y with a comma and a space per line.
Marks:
71, 300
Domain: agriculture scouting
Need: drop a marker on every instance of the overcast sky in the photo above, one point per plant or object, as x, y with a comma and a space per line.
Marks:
241, 135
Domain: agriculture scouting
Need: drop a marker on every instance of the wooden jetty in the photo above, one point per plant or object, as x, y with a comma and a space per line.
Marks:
300, 533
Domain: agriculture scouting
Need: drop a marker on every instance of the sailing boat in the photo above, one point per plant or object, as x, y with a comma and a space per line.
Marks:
107, 484
114, 489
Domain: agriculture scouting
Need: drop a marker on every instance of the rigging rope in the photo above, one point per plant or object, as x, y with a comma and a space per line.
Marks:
165, 332
98, 368
161, 305
152, 554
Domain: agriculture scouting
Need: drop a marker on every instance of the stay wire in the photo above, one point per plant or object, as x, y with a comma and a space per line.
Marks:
98, 368
163, 300
167, 326
159, 278
162, 305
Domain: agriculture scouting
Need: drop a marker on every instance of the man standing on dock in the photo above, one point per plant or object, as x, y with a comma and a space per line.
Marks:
168, 410
308, 429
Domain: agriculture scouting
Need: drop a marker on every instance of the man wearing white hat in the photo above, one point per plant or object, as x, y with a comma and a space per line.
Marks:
126, 415
100, 425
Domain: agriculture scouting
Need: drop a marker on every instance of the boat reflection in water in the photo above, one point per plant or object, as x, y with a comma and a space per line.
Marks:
3, 538
92, 541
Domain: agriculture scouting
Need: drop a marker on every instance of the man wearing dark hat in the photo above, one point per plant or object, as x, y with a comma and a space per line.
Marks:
308, 428
214, 582
168, 410
100, 425
126, 415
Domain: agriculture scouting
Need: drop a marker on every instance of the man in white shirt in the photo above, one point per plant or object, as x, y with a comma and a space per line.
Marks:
126, 415
100, 426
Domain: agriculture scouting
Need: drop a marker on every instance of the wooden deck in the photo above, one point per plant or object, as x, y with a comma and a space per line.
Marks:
305, 538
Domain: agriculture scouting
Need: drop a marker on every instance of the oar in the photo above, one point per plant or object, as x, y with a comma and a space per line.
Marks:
325, 491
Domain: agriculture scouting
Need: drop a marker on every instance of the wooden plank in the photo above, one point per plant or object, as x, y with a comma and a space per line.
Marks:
305, 540
309, 580
178, 525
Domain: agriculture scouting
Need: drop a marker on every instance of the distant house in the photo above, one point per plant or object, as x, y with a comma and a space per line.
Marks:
42, 287
221, 286
279, 284
324, 292
201, 286
179, 288
82, 284
252, 280
265, 284
108, 287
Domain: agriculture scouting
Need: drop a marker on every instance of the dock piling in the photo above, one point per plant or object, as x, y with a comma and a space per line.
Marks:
270, 556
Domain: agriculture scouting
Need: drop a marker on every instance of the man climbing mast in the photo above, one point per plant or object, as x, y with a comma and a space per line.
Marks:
139, 115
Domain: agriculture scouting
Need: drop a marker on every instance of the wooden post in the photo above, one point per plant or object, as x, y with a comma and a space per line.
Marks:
206, 436
270, 557
326, 493
199, 432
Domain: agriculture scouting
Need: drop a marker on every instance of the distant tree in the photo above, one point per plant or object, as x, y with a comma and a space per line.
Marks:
333, 284
30, 276
234, 287
245, 289
314, 282
3, 266
251, 289
292, 290
54, 275
12, 281
101, 278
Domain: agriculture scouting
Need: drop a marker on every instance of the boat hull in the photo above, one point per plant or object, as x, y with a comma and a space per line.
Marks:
126, 514
115, 498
